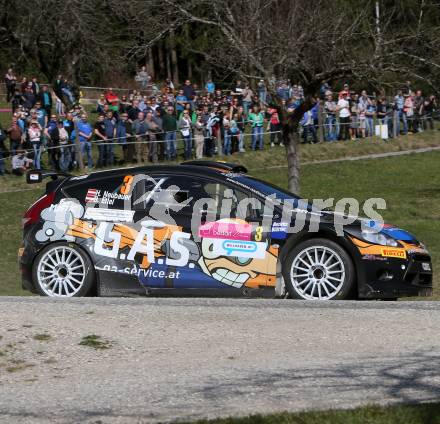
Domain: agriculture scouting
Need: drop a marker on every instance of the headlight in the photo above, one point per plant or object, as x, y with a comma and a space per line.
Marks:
379, 238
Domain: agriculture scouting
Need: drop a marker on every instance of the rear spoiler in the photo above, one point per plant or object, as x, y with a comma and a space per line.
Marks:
35, 176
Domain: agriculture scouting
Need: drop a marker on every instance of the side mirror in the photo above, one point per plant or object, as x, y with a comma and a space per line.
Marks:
34, 176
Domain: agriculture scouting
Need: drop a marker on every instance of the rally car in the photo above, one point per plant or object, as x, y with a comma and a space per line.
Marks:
205, 228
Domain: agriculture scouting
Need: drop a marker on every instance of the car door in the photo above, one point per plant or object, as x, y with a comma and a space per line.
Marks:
171, 205
229, 248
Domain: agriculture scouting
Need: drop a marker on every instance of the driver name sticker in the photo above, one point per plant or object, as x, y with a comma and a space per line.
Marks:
106, 198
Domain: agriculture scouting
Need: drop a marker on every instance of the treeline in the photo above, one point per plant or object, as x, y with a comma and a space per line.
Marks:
96, 41
105, 41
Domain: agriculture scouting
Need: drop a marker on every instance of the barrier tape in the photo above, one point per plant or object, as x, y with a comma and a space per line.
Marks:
119, 143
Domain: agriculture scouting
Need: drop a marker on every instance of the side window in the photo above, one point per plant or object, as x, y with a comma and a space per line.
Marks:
144, 188
105, 192
189, 190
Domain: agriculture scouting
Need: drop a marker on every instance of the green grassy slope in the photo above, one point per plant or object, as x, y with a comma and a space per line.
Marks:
428, 413
409, 184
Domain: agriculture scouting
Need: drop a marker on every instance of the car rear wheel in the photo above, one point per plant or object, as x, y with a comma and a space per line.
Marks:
63, 270
319, 269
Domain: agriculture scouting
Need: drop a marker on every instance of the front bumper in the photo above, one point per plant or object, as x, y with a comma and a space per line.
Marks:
395, 277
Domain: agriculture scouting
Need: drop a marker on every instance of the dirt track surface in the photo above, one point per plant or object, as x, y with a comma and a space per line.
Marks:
174, 359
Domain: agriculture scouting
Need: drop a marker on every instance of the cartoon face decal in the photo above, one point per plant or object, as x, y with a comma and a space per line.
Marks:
58, 218
247, 263
234, 270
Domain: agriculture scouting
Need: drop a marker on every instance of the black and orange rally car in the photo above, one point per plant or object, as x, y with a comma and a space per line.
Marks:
163, 229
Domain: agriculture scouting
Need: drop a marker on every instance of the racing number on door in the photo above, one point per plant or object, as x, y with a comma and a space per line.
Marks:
126, 186
259, 233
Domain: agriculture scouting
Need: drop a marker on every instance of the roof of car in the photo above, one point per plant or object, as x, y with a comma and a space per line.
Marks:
213, 168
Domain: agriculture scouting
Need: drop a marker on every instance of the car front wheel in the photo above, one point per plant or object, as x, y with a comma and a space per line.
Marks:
319, 269
63, 270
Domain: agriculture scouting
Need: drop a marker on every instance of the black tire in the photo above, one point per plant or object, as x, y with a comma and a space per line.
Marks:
46, 269
321, 276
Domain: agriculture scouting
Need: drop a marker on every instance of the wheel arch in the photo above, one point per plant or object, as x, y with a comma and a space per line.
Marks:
326, 233
94, 290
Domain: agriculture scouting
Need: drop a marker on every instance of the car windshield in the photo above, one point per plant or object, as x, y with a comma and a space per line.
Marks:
267, 189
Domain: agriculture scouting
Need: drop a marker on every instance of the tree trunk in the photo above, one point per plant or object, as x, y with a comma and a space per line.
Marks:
291, 141
150, 63
190, 70
162, 65
169, 74
174, 63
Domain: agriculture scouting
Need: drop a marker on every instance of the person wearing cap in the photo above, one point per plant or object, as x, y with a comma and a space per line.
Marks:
20, 163
247, 98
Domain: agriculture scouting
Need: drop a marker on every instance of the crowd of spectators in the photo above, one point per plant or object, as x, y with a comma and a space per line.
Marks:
151, 124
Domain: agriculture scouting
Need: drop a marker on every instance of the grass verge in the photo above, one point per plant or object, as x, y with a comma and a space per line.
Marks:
427, 413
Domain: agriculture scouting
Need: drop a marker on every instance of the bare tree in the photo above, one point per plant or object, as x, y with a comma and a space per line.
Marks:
73, 37
309, 42
380, 41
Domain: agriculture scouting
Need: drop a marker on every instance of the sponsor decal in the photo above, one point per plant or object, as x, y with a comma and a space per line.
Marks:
147, 273
92, 195
417, 250
279, 230
112, 215
394, 253
153, 250
226, 230
34, 177
238, 248
279, 227
369, 257
106, 198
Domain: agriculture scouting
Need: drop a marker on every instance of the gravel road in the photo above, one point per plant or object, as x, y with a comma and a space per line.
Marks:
172, 359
